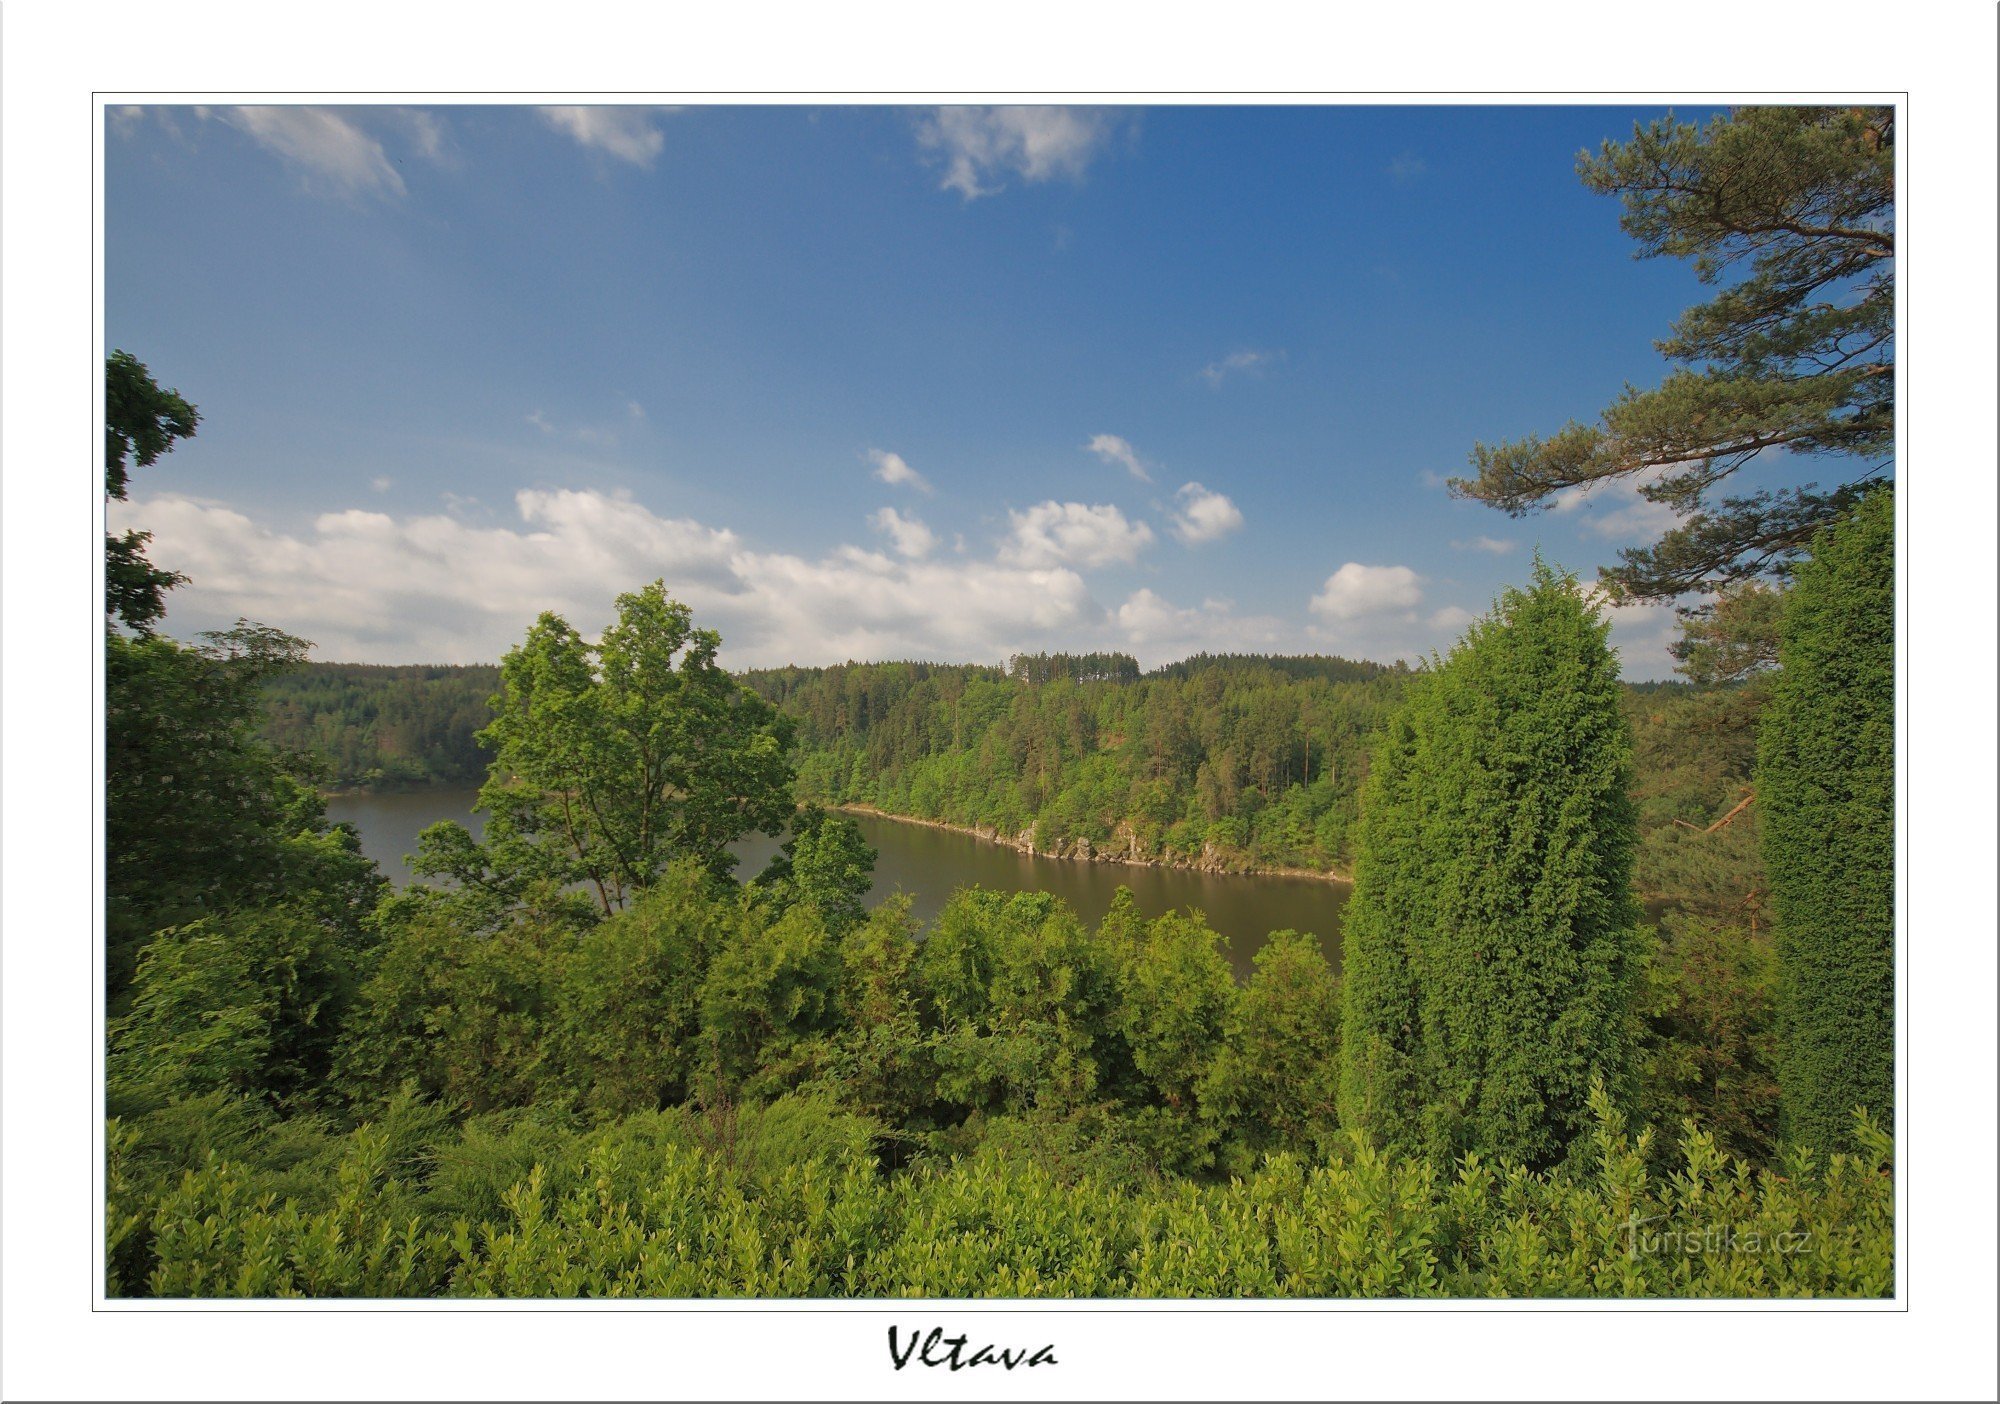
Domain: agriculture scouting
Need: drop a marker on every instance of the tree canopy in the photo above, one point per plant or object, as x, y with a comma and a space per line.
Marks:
1827, 768
1488, 958
141, 422
1796, 355
612, 759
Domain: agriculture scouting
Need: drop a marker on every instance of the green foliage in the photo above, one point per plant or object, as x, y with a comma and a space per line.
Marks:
141, 422
825, 865
1176, 996
884, 1057
613, 759
628, 1002
246, 1004
1694, 754
642, 1208
1228, 762
1489, 945
384, 728
1826, 762
522, 1146
455, 1014
1709, 1051
200, 816
1275, 1081
1736, 638
769, 994
1797, 354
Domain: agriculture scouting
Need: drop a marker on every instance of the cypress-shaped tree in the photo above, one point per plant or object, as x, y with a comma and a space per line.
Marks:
1489, 944
1827, 776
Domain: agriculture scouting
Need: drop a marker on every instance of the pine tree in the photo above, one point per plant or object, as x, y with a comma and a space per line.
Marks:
1826, 758
1489, 944
1791, 212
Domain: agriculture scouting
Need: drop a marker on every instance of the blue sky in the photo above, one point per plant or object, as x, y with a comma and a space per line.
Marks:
872, 382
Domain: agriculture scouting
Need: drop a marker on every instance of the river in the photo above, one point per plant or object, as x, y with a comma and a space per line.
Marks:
930, 864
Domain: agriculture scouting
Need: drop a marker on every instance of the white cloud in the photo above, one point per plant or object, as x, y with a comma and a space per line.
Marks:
627, 133
324, 145
1238, 363
381, 482
635, 409
1491, 544
1640, 633
1406, 167
541, 422
911, 537
980, 146
1073, 534
1157, 631
1380, 613
891, 469
369, 587
1614, 509
1115, 450
1203, 515
1356, 591
425, 134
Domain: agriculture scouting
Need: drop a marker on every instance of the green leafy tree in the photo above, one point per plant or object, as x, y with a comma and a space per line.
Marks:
627, 1016
453, 1013
141, 422
1176, 997
200, 815
1794, 356
612, 760
247, 1004
826, 865
1025, 1002
1490, 941
884, 1059
1827, 768
1275, 1083
1736, 638
770, 998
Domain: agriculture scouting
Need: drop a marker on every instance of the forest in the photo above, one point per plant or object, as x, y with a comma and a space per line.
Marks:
580, 1065
1615, 1016
1237, 763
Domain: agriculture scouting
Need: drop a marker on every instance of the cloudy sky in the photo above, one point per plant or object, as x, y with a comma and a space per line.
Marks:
871, 382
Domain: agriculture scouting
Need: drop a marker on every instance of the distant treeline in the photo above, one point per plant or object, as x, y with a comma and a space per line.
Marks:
1228, 760
385, 727
1223, 762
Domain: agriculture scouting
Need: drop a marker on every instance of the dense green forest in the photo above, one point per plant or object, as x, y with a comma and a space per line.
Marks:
591, 1061
1226, 762
378, 727
590, 1058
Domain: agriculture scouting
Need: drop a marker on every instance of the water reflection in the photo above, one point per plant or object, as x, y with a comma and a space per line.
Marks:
930, 864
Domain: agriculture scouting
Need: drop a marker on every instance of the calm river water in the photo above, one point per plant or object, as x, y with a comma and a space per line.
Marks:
930, 864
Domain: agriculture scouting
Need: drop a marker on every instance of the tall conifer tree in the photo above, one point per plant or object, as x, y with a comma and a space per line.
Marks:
1489, 942
1827, 771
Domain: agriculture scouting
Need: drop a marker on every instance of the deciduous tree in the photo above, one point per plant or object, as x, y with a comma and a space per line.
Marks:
141, 422
613, 759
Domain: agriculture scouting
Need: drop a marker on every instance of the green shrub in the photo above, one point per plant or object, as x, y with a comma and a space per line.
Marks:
643, 1208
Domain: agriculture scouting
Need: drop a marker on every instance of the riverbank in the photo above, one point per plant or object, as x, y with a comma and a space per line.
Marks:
1083, 851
